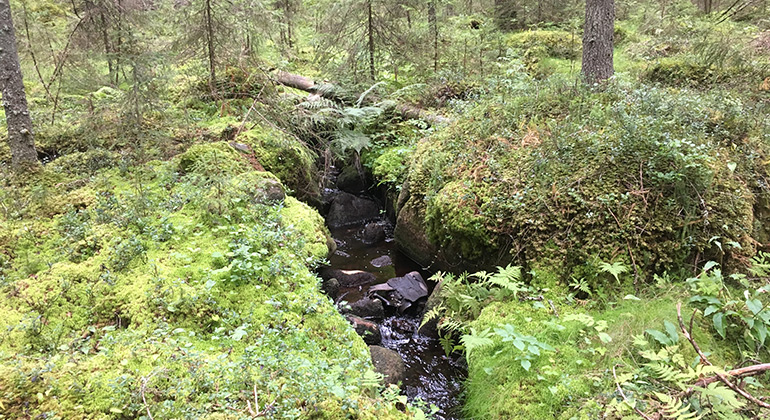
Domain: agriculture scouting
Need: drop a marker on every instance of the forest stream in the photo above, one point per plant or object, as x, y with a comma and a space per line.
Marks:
429, 374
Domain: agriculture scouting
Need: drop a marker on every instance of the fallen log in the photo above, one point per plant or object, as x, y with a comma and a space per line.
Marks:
306, 84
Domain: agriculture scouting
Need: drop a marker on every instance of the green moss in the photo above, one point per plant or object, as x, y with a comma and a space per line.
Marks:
679, 71
575, 380
136, 296
390, 167
559, 44
453, 221
545, 177
210, 159
285, 156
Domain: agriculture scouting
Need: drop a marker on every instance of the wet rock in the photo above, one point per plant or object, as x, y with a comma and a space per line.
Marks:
382, 261
401, 292
350, 180
347, 209
366, 308
410, 234
430, 328
331, 287
348, 278
373, 232
388, 363
368, 330
412, 287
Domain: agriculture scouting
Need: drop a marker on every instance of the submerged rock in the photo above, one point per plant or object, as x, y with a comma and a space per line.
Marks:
347, 209
331, 287
366, 308
382, 261
348, 278
368, 330
373, 232
388, 363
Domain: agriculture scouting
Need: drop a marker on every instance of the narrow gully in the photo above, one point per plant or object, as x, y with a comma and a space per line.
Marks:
430, 375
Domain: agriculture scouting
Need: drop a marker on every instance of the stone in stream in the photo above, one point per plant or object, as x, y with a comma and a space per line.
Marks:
388, 363
401, 292
331, 287
382, 261
347, 278
350, 180
347, 209
368, 330
373, 232
366, 308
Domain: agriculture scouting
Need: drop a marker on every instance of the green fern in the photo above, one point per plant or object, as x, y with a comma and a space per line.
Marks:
675, 408
615, 269
476, 340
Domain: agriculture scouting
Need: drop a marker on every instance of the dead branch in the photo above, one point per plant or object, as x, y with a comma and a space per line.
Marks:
625, 399
306, 84
706, 362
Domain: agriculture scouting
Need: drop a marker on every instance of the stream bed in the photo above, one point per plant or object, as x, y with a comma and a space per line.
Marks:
430, 375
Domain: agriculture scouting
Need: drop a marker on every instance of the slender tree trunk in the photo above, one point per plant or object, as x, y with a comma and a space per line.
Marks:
106, 40
432, 21
210, 44
20, 135
598, 40
370, 29
119, 42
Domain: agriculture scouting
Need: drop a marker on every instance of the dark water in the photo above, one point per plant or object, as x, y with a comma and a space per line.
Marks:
430, 374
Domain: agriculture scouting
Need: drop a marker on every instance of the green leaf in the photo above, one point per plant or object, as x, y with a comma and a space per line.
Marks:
526, 364
671, 331
754, 305
719, 323
605, 337
658, 336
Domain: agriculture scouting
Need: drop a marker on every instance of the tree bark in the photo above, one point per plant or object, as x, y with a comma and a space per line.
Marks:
210, 45
433, 22
20, 134
370, 29
598, 40
505, 14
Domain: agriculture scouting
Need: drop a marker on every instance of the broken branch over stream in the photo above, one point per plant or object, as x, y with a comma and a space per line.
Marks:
308, 85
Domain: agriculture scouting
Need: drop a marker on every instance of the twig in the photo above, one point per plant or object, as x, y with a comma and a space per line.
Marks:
625, 399
706, 362
737, 373
143, 388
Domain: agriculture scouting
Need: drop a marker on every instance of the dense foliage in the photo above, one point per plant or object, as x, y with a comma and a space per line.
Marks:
159, 264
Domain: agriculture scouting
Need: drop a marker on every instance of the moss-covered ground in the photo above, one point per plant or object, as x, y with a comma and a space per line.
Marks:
171, 289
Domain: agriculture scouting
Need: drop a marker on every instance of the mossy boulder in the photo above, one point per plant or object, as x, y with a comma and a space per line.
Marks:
679, 71
285, 156
648, 178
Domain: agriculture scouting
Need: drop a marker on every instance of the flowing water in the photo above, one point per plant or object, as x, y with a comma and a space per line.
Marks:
430, 374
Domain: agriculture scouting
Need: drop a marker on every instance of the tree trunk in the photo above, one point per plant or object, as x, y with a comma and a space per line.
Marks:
370, 29
20, 136
505, 14
598, 40
210, 45
432, 21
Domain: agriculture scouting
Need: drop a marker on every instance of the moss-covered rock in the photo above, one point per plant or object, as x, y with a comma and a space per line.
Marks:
285, 156
648, 177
